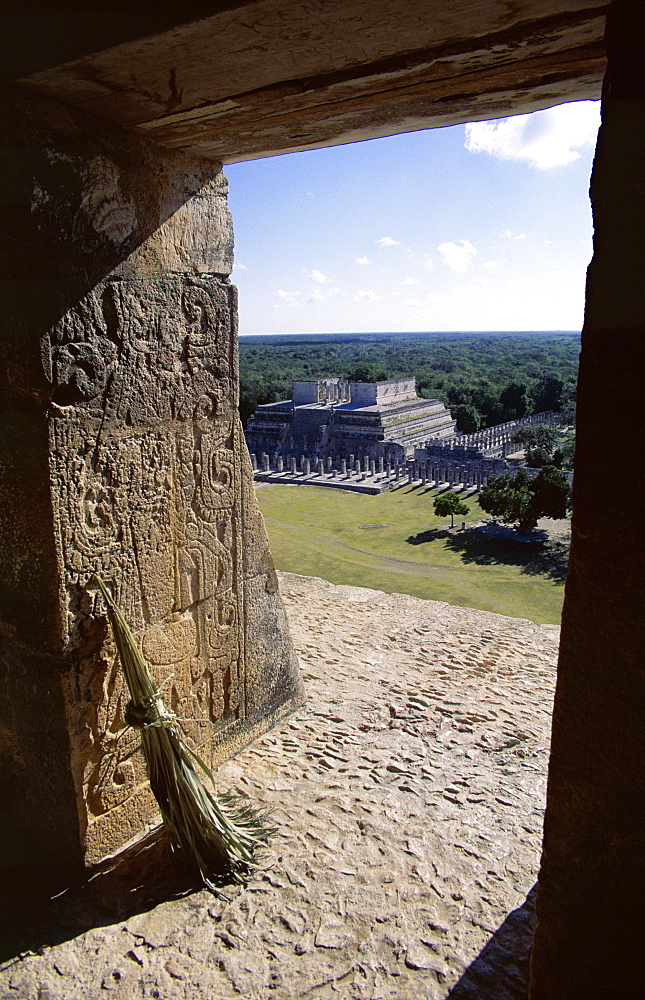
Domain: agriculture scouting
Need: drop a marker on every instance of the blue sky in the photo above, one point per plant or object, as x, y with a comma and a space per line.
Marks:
477, 227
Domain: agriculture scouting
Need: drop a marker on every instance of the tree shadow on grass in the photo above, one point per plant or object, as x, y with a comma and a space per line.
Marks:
536, 554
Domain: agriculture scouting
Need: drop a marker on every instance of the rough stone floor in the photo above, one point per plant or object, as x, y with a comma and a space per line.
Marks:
408, 796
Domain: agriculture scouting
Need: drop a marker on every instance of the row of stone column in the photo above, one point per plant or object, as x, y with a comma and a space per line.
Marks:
470, 474
492, 437
501, 434
466, 474
304, 465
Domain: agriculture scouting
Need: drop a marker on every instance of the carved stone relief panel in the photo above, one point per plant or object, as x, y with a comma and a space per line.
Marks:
122, 455
146, 473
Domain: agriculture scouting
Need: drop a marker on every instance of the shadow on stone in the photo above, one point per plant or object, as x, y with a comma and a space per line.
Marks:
501, 970
536, 554
131, 882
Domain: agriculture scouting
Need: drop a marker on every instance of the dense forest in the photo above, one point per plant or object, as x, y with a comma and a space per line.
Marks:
484, 378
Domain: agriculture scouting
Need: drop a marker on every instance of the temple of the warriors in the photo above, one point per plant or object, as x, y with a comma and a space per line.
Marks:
331, 417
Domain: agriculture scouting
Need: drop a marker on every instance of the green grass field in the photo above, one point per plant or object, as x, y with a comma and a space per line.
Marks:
394, 542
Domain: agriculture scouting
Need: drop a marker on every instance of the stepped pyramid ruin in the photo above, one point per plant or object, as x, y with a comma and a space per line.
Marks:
331, 417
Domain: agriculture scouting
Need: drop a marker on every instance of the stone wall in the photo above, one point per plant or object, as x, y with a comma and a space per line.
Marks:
320, 390
382, 393
123, 455
589, 930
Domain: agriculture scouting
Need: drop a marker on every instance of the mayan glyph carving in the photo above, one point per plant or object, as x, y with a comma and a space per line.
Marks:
151, 498
126, 458
138, 351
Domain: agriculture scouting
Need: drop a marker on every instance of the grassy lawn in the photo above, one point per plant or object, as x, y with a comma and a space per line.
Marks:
394, 542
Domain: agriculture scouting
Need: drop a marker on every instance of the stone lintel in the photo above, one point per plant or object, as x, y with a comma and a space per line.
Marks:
291, 76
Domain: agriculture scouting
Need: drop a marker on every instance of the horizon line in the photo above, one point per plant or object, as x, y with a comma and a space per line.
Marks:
396, 333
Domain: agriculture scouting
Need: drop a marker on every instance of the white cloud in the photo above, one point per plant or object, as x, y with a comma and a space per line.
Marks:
290, 298
545, 139
492, 265
362, 260
321, 295
366, 293
388, 241
410, 280
413, 302
316, 275
239, 266
457, 257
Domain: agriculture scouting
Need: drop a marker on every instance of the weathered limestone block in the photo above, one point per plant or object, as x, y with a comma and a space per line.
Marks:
588, 938
123, 454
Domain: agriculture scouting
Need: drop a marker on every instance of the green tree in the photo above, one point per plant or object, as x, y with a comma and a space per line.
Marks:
515, 400
568, 411
547, 394
536, 435
551, 492
563, 456
539, 442
467, 417
449, 503
368, 373
521, 501
537, 458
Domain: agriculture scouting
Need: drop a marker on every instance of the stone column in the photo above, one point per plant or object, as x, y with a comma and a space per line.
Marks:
121, 453
329, 463
343, 467
381, 465
372, 467
588, 938
280, 463
294, 466
265, 462
254, 462
321, 467
306, 467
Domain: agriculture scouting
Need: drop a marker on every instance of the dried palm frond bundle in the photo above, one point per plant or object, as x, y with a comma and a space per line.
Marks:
222, 835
